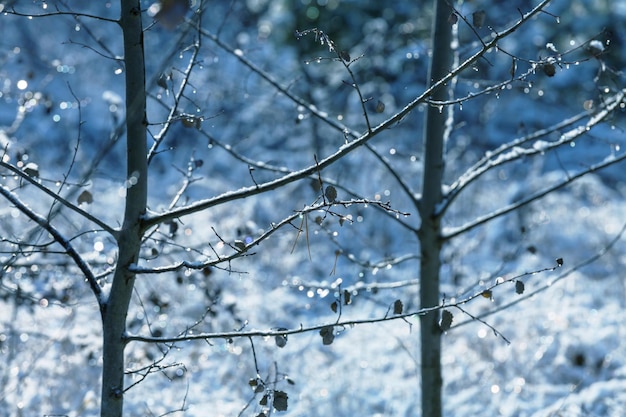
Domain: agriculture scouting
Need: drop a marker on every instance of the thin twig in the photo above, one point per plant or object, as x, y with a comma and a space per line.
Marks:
60, 239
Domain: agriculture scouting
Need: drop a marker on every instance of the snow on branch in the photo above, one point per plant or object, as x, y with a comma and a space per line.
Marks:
470, 174
509, 153
452, 232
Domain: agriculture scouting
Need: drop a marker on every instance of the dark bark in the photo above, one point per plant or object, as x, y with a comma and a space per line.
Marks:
435, 135
129, 238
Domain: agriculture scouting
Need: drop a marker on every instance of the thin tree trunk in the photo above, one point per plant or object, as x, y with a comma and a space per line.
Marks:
435, 135
129, 240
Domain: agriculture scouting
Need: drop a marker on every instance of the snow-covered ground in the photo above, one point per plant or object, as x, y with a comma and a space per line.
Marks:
557, 353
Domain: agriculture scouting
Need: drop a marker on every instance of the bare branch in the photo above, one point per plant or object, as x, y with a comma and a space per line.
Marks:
57, 13
270, 333
60, 239
360, 286
243, 250
480, 320
345, 324
452, 232
422, 98
237, 53
159, 137
58, 198
344, 58
519, 152
151, 220
396, 175
595, 257
470, 174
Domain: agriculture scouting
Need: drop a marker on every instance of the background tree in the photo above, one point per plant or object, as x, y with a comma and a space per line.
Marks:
301, 193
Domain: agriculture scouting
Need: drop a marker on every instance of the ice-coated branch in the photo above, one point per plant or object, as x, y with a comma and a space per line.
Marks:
229, 196
487, 90
363, 286
422, 98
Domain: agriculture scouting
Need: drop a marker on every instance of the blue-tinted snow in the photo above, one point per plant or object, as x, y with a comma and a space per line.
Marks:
566, 355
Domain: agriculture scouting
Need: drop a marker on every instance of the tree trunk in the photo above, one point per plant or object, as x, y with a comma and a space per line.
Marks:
435, 135
129, 239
